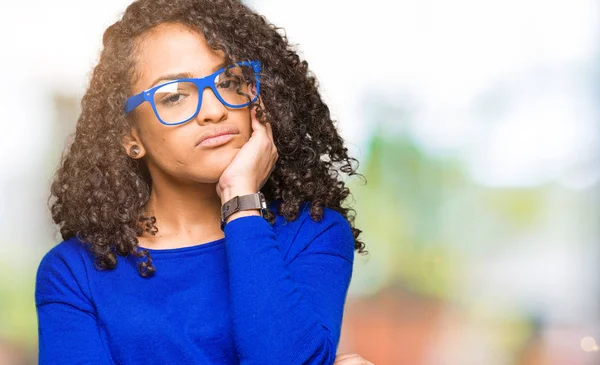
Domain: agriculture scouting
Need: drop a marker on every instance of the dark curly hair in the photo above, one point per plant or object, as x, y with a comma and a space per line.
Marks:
99, 193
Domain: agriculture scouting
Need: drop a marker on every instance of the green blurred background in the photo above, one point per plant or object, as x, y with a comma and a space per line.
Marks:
476, 124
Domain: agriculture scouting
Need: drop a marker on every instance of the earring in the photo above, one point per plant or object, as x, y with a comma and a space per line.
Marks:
134, 150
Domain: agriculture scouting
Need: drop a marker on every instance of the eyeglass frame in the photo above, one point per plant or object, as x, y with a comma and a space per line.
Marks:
201, 83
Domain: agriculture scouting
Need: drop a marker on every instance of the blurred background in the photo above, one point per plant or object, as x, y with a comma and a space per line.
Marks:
476, 124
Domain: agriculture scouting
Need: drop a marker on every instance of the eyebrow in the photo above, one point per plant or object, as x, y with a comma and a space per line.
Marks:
181, 75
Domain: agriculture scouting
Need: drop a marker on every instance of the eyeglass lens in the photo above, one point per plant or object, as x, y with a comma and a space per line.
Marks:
178, 101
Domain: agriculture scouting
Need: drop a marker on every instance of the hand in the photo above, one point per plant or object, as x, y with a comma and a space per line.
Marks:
251, 167
351, 359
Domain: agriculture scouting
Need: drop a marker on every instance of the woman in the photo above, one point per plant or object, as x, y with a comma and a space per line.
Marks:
199, 202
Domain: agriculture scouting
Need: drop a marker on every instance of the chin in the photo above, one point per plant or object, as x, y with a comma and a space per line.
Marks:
211, 167
204, 176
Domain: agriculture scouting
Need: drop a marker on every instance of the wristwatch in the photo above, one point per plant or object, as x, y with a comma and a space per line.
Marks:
244, 202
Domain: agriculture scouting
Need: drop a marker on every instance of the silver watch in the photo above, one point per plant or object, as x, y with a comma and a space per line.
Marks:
244, 202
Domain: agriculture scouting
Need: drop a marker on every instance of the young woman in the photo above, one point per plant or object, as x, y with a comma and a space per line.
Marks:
199, 201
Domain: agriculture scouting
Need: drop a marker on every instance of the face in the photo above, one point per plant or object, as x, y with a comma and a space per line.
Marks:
173, 151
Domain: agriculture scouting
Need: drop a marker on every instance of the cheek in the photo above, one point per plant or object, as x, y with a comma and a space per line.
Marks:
168, 152
246, 129
166, 146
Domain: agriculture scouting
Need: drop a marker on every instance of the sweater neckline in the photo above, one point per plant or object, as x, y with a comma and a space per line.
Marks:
187, 249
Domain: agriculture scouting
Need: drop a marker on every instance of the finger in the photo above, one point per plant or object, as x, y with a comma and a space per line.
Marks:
272, 139
269, 130
254, 110
346, 359
253, 116
263, 127
343, 356
351, 359
259, 127
256, 125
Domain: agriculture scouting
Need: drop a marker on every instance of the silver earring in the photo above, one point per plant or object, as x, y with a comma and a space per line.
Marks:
134, 150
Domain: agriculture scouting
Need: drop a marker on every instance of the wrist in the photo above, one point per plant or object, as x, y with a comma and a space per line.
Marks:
231, 192
243, 213
242, 204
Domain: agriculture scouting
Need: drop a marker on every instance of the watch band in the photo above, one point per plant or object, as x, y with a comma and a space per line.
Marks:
244, 202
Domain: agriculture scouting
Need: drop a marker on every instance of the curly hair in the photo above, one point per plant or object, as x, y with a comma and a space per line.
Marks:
99, 193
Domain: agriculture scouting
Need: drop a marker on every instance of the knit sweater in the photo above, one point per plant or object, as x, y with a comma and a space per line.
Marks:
263, 294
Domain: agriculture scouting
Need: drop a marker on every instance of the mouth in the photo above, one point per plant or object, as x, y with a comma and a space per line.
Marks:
217, 140
217, 136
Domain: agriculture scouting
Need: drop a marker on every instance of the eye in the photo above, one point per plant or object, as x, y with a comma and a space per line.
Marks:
228, 84
172, 99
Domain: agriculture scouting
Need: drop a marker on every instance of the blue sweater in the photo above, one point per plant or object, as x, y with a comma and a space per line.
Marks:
261, 295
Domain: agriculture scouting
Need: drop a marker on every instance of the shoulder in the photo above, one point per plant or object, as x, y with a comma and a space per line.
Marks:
62, 271
332, 234
68, 253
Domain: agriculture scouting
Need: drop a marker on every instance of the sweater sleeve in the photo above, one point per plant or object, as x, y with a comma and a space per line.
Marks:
288, 312
67, 327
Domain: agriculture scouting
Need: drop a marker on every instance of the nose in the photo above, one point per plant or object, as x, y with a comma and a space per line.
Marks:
211, 108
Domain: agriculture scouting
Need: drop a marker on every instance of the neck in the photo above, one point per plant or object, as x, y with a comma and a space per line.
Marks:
188, 213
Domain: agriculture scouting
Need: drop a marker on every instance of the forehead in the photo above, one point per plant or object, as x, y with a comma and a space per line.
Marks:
172, 48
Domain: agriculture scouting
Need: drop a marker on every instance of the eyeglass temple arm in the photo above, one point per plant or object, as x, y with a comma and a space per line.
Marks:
256, 65
134, 101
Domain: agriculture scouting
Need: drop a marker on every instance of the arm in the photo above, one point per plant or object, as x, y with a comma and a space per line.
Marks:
67, 328
288, 313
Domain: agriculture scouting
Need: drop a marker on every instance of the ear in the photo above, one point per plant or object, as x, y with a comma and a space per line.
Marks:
133, 139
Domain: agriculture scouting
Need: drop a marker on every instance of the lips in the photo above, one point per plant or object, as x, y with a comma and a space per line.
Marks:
215, 132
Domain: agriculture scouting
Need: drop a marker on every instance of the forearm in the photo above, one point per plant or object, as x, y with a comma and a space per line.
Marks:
275, 316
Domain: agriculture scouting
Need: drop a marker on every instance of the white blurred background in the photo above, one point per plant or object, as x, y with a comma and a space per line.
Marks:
476, 124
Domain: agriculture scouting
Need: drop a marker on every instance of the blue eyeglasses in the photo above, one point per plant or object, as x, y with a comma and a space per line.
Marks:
178, 101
